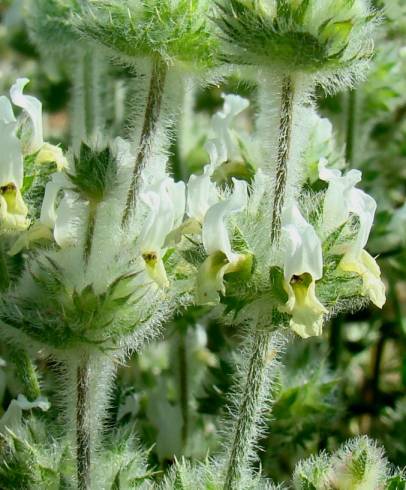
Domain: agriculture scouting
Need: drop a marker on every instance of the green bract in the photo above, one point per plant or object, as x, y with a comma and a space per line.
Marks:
296, 35
95, 173
175, 31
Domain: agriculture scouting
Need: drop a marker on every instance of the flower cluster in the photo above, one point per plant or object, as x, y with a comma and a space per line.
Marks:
19, 140
91, 299
233, 226
327, 38
131, 30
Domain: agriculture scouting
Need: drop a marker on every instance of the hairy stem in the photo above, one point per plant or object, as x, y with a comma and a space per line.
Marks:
83, 426
284, 147
91, 224
95, 120
249, 409
87, 97
149, 129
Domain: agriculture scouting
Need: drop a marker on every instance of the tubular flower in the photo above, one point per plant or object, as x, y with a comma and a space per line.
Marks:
228, 156
224, 142
320, 144
33, 140
221, 258
12, 418
13, 211
166, 203
201, 195
342, 200
303, 266
62, 217
61, 212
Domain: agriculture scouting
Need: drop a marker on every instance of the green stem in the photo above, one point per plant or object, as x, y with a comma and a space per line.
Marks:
182, 130
284, 148
91, 224
93, 94
149, 129
249, 409
83, 425
88, 105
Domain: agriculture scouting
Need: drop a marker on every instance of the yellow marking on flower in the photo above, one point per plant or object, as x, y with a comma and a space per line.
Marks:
367, 268
210, 279
306, 310
13, 210
156, 269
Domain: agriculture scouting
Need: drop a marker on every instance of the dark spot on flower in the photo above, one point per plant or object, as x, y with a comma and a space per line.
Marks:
150, 257
7, 188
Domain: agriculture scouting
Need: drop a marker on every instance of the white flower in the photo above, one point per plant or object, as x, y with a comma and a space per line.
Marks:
215, 159
202, 194
303, 266
11, 159
13, 416
66, 217
340, 195
319, 144
224, 141
166, 203
33, 108
215, 233
342, 200
62, 211
34, 141
221, 258
13, 211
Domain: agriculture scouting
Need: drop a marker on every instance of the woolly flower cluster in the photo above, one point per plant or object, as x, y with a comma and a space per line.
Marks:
99, 283
359, 463
132, 30
234, 228
208, 237
324, 37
